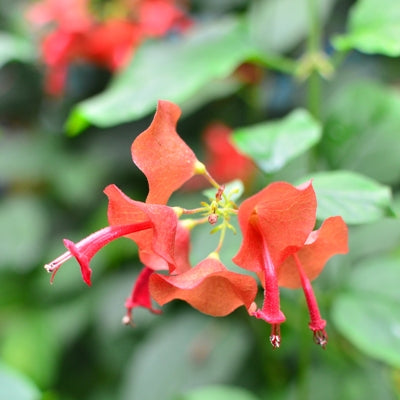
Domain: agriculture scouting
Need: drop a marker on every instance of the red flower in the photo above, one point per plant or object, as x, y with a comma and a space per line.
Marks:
223, 161
157, 17
277, 232
165, 159
77, 35
209, 287
156, 246
71, 15
140, 296
152, 227
111, 44
84, 250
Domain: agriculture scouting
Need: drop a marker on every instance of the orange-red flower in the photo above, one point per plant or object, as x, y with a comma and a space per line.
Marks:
209, 287
84, 250
277, 232
277, 223
160, 153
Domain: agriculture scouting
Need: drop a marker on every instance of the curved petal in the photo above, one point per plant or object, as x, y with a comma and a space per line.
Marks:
330, 239
162, 155
283, 214
140, 295
209, 287
182, 249
156, 246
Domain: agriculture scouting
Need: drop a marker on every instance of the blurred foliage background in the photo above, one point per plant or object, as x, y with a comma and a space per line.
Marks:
338, 61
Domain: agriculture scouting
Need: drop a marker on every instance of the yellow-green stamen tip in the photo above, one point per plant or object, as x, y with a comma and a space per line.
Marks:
199, 168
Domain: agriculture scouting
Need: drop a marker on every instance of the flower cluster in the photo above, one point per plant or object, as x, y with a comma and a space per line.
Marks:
106, 37
279, 244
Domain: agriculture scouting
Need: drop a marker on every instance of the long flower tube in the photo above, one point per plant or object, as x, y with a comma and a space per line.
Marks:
84, 250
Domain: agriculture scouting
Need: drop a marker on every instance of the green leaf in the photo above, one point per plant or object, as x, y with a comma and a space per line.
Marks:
188, 350
356, 198
175, 70
25, 225
14, 48
358, 380
368, 314
278, 25
31, 345
362, 131
273, 144
16, 386
218, 392
373, 28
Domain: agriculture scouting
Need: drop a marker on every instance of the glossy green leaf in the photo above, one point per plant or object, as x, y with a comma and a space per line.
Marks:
175, 70
14, 48
362, 131
187, 350
368, 314
373, 28
356, 198
273, 144
16, 386
218, 393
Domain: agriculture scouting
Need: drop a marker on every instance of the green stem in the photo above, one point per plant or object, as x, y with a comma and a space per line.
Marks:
313, 47
314, 94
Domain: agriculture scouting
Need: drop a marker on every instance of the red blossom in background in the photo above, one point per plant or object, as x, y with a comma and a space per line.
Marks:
74, 34
70, 15
222, 159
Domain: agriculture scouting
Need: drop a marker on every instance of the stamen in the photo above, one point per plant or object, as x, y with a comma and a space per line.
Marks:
320, 338
56, 264
275, 337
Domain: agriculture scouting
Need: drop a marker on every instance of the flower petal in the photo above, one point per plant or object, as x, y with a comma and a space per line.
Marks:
162, 155
140, 295
82, 259
182, 249
283, 214
156, 246
209, 287
330, 239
